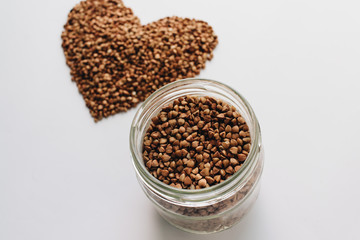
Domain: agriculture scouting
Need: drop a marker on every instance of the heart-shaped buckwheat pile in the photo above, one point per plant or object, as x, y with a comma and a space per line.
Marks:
116, 62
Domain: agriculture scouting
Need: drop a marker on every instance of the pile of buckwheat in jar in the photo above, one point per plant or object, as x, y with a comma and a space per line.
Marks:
116, 62
196, 142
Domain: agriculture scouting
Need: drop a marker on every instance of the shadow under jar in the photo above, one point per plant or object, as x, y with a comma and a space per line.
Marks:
209, 209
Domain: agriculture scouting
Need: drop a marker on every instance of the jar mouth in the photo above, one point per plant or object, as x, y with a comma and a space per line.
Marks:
195, 195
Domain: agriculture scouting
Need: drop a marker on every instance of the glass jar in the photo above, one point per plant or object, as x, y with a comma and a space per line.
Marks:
209, 209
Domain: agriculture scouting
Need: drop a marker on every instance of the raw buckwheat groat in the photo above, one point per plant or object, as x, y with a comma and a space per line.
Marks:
116, 62
196, 142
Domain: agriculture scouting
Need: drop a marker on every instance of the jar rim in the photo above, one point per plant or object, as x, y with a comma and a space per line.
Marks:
195, 195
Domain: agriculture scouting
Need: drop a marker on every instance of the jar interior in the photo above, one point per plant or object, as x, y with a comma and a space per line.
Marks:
193, 87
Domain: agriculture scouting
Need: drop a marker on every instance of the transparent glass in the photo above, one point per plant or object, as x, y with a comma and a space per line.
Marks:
209, 209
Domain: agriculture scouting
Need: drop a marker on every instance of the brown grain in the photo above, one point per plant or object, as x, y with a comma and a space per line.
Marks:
202, 140
116, 62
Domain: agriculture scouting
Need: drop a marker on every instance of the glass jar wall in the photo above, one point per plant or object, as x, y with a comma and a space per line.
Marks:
209, 209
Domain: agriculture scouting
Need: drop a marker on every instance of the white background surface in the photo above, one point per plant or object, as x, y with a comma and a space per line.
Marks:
297, 62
